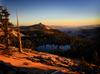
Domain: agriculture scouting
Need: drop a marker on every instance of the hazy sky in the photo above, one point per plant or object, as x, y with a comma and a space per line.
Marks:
54, 12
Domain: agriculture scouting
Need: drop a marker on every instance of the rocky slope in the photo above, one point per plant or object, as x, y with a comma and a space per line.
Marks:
33, 62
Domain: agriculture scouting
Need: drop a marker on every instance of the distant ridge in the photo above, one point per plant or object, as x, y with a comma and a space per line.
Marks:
40, 26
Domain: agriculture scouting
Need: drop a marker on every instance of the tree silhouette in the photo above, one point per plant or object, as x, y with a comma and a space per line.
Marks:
4, 20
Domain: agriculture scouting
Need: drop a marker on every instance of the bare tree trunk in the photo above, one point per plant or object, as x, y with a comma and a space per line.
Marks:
7, 36
19, 35
20, 42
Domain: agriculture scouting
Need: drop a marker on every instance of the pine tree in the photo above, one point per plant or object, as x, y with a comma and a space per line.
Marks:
4, 20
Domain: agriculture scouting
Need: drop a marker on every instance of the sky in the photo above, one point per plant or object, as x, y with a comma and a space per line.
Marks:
54, 12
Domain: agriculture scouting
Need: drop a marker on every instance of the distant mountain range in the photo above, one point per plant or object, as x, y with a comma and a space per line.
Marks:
65, 29
75, 30
59, 31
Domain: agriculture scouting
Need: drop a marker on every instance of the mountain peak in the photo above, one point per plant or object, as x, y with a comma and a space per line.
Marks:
40, 26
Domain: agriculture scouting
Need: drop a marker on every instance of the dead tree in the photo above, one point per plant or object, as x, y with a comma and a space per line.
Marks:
19, 34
